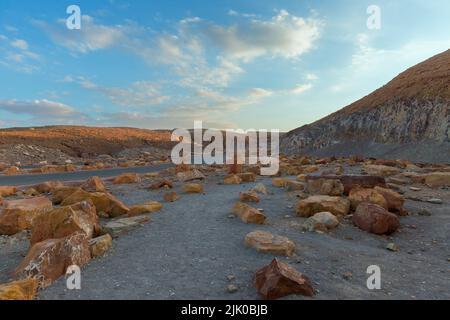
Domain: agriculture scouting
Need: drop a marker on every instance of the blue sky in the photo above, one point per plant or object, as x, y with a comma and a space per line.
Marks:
232, 64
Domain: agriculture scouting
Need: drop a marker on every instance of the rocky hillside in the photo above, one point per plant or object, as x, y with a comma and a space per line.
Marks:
407, 118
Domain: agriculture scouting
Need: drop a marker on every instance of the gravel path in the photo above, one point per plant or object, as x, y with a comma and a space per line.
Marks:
189, 248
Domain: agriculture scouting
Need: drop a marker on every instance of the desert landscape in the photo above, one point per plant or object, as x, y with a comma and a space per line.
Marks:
95, 206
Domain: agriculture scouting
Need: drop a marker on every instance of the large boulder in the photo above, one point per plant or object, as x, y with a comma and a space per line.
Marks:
19, 290
63, 221
438, 179
279, 279
353, 181
100, 245
266, 242
48, 260
394, 199
6, 191
94, 184
59, 194
19, 215
149, 207
48, 187
375, 219
248, 214
366, 195
322, 221
315, 204
326, 187
105, 203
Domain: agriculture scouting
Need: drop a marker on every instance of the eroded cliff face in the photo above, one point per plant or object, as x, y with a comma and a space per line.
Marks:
412, 109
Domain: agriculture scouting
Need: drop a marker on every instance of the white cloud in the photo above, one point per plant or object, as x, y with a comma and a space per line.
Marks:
311, 77
301, 88
260, 93
36, 107
20, 44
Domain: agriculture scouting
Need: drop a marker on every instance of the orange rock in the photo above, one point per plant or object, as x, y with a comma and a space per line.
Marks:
6, 191
59, 194
127, 178
193, 188
247, 177
18, 215
161, 184
100, 245
359, 195
93, 184
266, 242
315, 204
48, 187
249, 196
279, 279
11, 171
394, 199
171, 196
248, 214
375, 219
19, 290
149, 207
232, 179
48, 260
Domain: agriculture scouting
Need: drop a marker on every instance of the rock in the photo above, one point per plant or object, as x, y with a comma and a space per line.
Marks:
248, 214
309, 169
435, 201
193, 188
366, 195
31, 192
394, 200
191, 175
48, 187
232, 288
149, 207
11, 171
260, 188
232, 179
98, 246
381, 170
152, 175
438, 179
347, 275
247, 177
279, 279
6, 191
322, 221
127, 178
171, 196
339, 170
301, 177
415, 189
59, 194
19, 290
424, 212
375, 219
161, 184
249, 196
315, 204
266, 242
94, 184
19, 215
48, 260
104, 202
326, 187
353, 181
121, 225
291, 185
63, 221
279, 182
392, 247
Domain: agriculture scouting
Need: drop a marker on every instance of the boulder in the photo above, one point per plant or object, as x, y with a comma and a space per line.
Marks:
161, 184
191, 175
48, 260
315, 204
381, 170
232, 179
248, 214
375, 219
98, 246
266, 242
149, 207
11, 171
322, 221
394, 199
291, 185
62, 222
260, 188
171, 196
94, 184
59, 194
118, 226
127, 178
326, 187
247, 176
6, 191
279, 279
193, 188
438, 179
279, 182
48, 187
19, 290
19, 215
366, 195
353, 181
249, 196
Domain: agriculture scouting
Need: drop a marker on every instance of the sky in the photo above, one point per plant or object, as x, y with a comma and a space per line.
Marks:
246, 64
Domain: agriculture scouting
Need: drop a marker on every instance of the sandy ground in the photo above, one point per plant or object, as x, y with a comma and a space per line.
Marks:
189, 248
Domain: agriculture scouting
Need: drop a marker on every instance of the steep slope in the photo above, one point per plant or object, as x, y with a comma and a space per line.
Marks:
407, 118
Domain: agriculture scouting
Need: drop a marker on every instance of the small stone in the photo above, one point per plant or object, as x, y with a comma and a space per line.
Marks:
392, 247
415, 189
231, 277
232, 288
347, 275
435, 201
424, 212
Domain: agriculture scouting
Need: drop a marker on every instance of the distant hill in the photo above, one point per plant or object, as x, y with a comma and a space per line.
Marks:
407, 118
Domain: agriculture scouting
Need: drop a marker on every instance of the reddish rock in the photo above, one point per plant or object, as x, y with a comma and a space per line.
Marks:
48, 187
375, 219
48, 260
279, 279
247, 176
127, 178
248, 214
171, 196
94, 184
19, 290
359, 195
315, 204
394, 199
161, 184
6, 191
353, 181
249, 196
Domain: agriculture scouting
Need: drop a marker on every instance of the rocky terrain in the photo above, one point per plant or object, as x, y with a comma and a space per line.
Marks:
408, 118
213, 232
